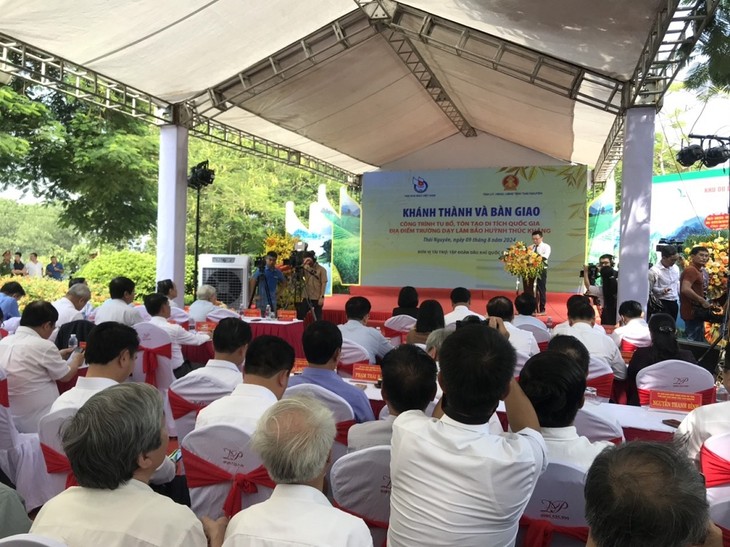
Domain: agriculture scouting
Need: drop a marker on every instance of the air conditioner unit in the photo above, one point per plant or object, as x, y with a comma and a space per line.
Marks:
229, 275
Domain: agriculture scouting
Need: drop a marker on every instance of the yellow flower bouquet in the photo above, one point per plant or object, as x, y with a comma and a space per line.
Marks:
522, 261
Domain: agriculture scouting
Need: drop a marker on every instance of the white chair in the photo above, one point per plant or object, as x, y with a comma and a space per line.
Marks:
352, 353
49, 432
21, 458
720, 512
221, 313
340, 408
542, 336
180, 316
142, 311
675, 376
396, 326
157, 342
227, 448
360, 484
594, 427
600, 376
558, 500
384, 413
715, 466
31, 540
11, 325
187, 395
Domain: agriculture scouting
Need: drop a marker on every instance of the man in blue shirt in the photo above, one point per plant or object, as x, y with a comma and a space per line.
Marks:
54, 269
273, 277
10, 293
322, 343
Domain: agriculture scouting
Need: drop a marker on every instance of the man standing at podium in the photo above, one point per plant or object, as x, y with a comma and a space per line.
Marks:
543, 249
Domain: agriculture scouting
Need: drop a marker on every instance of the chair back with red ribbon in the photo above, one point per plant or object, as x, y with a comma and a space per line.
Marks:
142, 311
187, 395
340, 408
676, 376
555, 514
360, 484
542, 336
223, 474
58, 466
352, 353
395, 327
595, 427
31, 540
715, 466
8, 432
153, 364
221, 313
627, 346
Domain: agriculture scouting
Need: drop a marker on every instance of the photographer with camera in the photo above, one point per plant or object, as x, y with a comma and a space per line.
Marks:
315, 285
602, 282
664, 284
266, 278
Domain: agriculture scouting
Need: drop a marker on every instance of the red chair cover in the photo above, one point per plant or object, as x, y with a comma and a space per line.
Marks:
540, 532
342, 429
372, 523
200, 472
543, 345
3, 333
58, 463
389, 333
715, 469
708, 396
603, 385
150, 363
4, 399
725, 535
628, 346
181, 407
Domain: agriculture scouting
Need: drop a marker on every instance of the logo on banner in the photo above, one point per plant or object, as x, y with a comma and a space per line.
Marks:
510, 183
419, 185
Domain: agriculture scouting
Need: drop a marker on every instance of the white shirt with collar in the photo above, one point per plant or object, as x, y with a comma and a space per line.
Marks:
459, 313
562, 329
67, 312
116, 309
132, 515
701, 424
216, 373
179, 337
32, 365
661, 278
457, 484
564, 445
523, 341
529, 320
34, 269
296, 515
367, 434
543, 250
241, 409
369, 338
635, 332
599, 345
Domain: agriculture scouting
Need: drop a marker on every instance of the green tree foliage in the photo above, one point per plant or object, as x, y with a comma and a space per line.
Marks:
33, 228
139, 267
711, 56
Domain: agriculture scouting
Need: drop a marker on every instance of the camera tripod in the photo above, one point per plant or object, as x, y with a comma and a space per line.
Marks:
257, 289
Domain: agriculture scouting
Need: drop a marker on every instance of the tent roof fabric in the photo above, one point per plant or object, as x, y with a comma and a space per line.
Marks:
354, 102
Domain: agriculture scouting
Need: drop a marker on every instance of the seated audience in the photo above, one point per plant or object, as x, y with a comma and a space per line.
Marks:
322, 343
526, 306
460, 302
89, 307
356, 330
158, 306
294, 440
430, 317
33, 364
407, 302
409, 383
10, 293
643, 494
231, 338
434, 342
563, 327
664, 346
474, 484
70, 306
114, 444
573, 348
633, 332
13, 518
206, 302
118, 308
168, 288
523, 341
269, 362
555, 385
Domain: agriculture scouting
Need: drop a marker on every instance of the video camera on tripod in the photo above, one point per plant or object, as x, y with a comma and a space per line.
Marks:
297, 257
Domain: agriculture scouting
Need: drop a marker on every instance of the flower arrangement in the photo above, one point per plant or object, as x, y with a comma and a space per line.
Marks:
716, 266
522, 261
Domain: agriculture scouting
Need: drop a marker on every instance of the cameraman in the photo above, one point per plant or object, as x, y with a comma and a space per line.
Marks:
605, 287
272, 276
315, 285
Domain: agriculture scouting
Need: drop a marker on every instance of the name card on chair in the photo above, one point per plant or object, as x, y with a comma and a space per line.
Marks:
252, 312
365, 372
677, 402
286, 315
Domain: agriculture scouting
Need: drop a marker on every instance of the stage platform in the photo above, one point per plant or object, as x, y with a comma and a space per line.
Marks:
384, 299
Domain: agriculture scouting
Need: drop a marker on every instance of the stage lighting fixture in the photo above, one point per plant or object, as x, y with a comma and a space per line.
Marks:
689, 155
716, 155
201, 176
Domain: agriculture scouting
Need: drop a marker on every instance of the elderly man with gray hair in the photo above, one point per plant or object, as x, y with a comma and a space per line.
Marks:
69, 306
206, 302
114, 444
294, 439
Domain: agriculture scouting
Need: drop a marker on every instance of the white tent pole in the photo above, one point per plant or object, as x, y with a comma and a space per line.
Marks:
171, 206
635, 234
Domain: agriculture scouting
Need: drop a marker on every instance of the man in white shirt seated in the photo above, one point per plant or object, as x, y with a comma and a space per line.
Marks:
356, 330
555, 385
114, 444
294, 440
231, 338
33, 364
409, 383
453, 482
633, 330
526, 306
158, 306
117, 308
69, 306
269, 362
563, 327
523, 341
460, 302
649, 495
582, 317
573, 348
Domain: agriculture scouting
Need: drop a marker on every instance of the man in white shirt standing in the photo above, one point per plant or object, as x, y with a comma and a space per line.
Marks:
664, 281
523, 341
453, 482
634, 331
158, 306
117, 308
460, 302
356, 330
69, 306
294, 440
34, 268
543, 249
